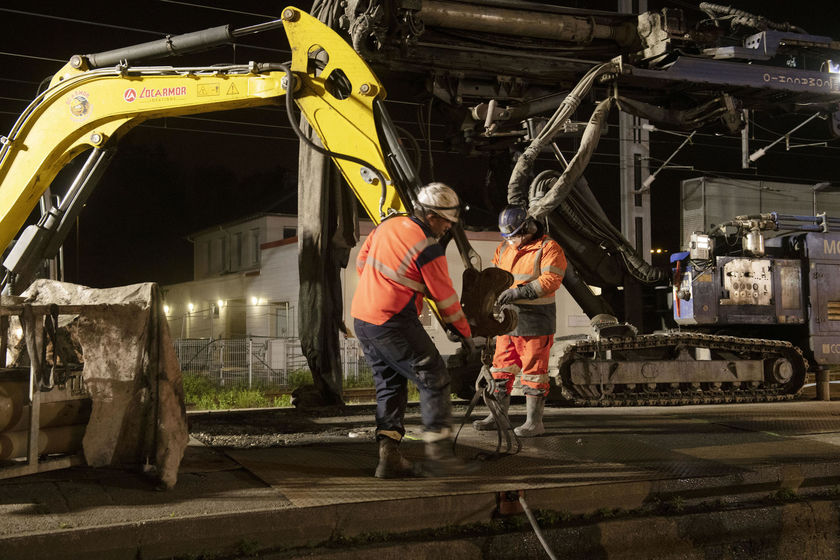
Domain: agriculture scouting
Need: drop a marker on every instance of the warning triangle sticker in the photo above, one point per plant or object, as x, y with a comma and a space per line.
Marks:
232, 90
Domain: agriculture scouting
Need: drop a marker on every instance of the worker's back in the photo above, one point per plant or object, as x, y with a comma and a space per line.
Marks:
389, 270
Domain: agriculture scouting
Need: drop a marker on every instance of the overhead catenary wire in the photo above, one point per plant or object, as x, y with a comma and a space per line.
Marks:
82, 21
430, 141
30, 57
546, 158
206, 7
112, 26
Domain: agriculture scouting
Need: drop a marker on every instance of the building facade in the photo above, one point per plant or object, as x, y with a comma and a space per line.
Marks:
246, 284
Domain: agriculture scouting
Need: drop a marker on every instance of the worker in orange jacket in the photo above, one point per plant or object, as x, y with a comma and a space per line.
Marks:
538, 264
399, 263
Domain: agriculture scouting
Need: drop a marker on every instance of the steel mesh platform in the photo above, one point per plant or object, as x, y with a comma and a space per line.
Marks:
581, 447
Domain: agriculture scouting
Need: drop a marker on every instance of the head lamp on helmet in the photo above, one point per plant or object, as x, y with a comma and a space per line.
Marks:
439, 199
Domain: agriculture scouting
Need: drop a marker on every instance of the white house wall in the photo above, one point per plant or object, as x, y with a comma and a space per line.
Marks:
276, 284
202, 294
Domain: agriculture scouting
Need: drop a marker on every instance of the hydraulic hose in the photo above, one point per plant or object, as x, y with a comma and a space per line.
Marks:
534, 525
741, 17
520, 176
579, 209
563, 186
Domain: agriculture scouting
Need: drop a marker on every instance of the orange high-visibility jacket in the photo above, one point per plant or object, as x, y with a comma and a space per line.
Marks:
399, 263
541, 263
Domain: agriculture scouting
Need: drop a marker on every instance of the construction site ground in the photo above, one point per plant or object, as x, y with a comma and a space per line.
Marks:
716, 481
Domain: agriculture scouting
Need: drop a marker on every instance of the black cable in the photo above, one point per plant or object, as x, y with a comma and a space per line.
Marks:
290, 77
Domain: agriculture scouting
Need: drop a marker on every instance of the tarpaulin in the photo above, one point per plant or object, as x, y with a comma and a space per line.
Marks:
130, 369
326, 222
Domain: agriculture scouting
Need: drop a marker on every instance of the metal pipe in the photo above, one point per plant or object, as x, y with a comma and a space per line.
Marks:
62, 439
54, 414
13, 396
581, 30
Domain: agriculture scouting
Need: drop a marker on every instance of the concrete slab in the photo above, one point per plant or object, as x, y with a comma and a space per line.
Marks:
320, 486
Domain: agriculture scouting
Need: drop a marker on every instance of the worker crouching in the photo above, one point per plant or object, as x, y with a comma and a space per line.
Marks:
400, 262
538, 264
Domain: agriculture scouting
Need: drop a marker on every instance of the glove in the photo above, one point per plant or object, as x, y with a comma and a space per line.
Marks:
469, 345
519, 292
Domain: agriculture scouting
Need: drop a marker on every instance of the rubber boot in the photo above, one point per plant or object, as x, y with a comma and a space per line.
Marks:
533, 425
391, 462
489, 423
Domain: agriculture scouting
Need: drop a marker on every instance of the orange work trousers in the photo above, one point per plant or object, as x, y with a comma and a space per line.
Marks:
525, 355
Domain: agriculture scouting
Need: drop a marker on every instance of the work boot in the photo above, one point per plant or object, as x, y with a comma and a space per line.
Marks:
440, 457
533, 425
391, 462
488, 422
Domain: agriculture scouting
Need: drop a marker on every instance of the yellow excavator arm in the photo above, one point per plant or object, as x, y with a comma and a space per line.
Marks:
90, 108
93, 101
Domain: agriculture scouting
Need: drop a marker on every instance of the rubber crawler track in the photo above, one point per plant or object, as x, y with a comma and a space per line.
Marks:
662, 395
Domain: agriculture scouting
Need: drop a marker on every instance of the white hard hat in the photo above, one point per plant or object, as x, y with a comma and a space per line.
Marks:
441, 200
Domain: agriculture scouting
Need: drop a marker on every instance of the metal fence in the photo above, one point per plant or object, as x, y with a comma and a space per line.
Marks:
263, 362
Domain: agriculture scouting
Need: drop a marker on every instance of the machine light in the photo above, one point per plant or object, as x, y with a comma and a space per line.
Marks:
700, 246
220, 303
701, 242
833, 67
254, 301
166, 310
190, 307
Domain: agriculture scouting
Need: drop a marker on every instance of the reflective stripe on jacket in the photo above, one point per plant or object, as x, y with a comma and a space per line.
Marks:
401, 261
541, 264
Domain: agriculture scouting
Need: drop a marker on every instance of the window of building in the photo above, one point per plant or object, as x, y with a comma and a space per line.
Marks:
218, 255
236, 251
203, 257
284, 320
255, 246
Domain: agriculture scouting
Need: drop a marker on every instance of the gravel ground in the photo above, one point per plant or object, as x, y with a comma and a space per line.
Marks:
281, 427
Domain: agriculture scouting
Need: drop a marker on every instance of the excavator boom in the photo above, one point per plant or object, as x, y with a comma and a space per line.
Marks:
93, 108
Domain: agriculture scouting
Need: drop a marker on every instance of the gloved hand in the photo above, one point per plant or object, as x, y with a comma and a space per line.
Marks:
519, 292
469, 345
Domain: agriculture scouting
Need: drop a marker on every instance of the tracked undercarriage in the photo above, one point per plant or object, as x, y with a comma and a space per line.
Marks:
680, 368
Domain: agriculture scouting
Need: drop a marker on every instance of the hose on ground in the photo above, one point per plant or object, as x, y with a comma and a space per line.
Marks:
533, 520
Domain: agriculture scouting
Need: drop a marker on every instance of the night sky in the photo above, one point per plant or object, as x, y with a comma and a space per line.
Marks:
177, 176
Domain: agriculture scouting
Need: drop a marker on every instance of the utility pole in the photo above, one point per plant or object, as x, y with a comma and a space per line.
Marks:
634, 157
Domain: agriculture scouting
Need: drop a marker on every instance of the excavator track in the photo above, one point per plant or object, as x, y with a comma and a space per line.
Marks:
680, 368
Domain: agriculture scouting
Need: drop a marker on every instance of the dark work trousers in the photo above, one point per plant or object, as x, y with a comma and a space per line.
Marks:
398, 353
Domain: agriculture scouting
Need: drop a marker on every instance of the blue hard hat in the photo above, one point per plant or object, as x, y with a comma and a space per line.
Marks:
512, 221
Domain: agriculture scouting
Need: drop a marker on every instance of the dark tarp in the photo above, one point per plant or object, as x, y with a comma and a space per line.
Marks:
326, 233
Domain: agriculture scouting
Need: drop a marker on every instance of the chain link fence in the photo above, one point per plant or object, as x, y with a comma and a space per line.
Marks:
271, 363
